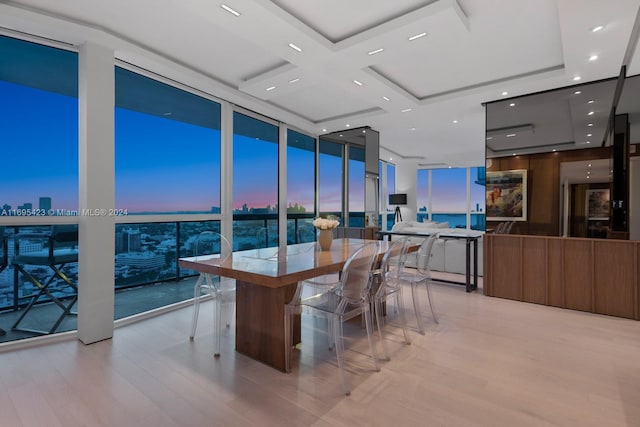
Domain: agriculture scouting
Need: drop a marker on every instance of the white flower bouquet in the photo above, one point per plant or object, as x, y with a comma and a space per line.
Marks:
325, 223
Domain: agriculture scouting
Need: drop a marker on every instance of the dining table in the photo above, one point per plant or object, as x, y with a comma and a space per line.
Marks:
266, 280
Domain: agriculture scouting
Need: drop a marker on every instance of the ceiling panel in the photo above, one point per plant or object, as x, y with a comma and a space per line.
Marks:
337, 20
501, 43
322, 102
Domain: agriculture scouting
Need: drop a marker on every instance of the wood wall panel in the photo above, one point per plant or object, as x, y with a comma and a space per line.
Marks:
595, 275
544, 176
505, 264
534, 265
614, 287
578, 279
555, 272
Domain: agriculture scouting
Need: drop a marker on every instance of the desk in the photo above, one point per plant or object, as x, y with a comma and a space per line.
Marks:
266, 280
469, 238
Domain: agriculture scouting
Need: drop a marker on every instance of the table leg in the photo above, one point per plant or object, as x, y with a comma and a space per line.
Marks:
468, 265
475, 264
260, 322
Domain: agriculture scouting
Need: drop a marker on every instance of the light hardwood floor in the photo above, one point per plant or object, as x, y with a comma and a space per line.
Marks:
490, 362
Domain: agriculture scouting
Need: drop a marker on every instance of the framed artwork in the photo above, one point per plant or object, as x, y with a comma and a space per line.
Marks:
597, 206
507, 195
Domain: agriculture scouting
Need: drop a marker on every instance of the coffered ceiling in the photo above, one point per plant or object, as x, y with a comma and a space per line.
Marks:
324, 65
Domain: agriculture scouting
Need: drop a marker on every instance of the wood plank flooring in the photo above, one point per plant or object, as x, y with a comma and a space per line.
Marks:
490, 362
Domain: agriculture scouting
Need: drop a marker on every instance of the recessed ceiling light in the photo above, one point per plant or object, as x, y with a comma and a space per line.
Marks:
589, 134
588, 177
588, 142
450, 167
597, 28
510, 135
590, 113
270, 88
231, 11
294, 80
578, 92
324, 130
413, 128
348, 125
590, 124
385, 98
359, 83
554, 150
593, 57
341, 135
294, 47
406, 110
417, 36
589, 166
591, 101
373, 52
455, 121
390, 158
576, 78
513, 104
505, 93
489, 138
514, 154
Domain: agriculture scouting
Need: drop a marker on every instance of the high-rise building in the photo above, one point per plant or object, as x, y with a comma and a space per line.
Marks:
45, 203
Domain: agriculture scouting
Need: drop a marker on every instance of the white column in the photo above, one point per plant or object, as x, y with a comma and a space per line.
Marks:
226, 172
96, 282
406, 182
282, 191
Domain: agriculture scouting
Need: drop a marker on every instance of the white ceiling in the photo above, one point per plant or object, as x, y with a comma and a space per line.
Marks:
473, 51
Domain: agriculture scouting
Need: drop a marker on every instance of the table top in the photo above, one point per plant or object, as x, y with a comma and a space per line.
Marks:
276, 267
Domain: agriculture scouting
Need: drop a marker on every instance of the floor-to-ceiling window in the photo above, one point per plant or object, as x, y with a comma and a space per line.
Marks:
387, 185
452, 195
255, 182
167, 164
356, 186
39, 179
301, 183
331, 179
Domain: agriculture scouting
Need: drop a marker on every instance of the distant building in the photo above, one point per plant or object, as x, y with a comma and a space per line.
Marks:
140, 260
45, 203
26, 206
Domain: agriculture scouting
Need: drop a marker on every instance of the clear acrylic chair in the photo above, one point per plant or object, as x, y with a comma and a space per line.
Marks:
422, 275
390, 286
339, 304
221, 289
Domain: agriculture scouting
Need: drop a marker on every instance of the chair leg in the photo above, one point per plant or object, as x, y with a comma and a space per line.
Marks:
196, 307
380, 322
339, 344
416, 306
372, 343
288, 337
403, 317
431, 305
217, 322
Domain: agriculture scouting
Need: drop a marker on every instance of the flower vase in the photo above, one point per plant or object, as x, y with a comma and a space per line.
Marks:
325, 238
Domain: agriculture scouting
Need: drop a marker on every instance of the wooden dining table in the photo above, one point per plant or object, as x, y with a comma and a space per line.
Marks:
266, 279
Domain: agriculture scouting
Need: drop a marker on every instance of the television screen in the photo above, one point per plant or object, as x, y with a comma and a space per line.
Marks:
397, 199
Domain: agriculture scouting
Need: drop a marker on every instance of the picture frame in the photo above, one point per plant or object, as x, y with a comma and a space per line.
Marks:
506, 195
597, 205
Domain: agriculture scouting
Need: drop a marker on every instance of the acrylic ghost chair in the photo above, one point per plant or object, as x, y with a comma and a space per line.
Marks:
390, 286
223, 290
350, 298
422, 275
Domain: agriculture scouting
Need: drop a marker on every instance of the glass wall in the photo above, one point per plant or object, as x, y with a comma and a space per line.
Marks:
356, 187
301, 184
39, 177
387, 185
442, 196
255, 183
167, 148
330, 179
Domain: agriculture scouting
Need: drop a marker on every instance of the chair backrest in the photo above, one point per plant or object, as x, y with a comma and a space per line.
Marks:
500, 228
355, 279
393, 262
211, 243
424, 253
508, 227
